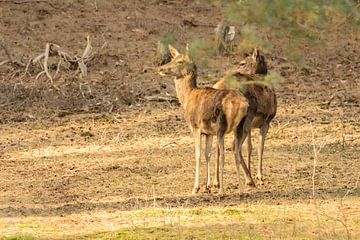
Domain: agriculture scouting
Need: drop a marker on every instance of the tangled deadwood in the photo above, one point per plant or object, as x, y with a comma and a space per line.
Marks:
76, 64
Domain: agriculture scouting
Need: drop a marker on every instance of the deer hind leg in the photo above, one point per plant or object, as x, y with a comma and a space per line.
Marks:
249, 147
208, 145
216, 178
221, 154
197, 136
263, 131
240, 135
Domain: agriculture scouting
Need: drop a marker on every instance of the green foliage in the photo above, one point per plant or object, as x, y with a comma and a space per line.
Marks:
21, 238
293, 15
300, 21
167, 39
273, 78
200, 50
250, 39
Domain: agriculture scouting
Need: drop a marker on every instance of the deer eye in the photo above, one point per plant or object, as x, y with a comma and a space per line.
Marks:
242, 63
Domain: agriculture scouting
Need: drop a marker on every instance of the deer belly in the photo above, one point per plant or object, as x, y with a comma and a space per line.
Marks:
257, 121
208, 127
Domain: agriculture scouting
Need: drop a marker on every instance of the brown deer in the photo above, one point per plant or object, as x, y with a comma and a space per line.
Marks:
247, 77
210, 112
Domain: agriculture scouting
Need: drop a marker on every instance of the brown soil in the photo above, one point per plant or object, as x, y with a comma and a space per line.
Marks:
106, 148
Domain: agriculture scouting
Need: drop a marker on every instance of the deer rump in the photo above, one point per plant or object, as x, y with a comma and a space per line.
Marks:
260, 95
264, 99
215, 111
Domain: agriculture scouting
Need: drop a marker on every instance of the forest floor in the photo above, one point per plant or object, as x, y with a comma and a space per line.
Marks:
101, 161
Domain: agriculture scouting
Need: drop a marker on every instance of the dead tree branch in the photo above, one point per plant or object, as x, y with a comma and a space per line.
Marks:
76, 62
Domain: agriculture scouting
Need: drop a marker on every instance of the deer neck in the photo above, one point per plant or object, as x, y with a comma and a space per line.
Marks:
184, 86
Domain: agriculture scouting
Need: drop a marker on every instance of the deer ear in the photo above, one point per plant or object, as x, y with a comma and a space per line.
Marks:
173, 52
187, 49
255, 53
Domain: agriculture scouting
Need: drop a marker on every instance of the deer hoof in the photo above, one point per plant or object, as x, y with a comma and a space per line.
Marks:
250, 183
216, 184
260, 180
207, 189
195, 190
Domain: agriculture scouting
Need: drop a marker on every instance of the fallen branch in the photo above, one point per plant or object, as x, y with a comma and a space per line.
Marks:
15, 62
4, 62
159, 98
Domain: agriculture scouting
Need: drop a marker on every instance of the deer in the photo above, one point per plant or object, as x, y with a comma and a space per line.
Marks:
248, 77
210, 112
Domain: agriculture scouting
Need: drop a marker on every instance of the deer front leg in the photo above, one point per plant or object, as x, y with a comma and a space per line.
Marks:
263, 131
216, 177
209, 139
197, 136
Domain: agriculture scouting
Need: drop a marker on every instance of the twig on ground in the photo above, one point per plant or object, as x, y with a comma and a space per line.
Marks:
164, 145
283, 126
4, 62
58, 68
27, 67
82, 91
39, 74
159, 98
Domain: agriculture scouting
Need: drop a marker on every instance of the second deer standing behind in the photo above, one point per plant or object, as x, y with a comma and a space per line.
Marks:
246, 78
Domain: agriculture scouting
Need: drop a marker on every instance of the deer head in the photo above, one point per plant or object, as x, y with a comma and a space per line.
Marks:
179, 66
254, 64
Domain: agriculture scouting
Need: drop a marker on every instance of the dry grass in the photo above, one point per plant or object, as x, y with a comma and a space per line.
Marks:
129, 174
130, 177
249, 221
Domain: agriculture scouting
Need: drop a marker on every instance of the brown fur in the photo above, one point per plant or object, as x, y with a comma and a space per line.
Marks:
209, 112
246, 78
252, 86
206, 104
